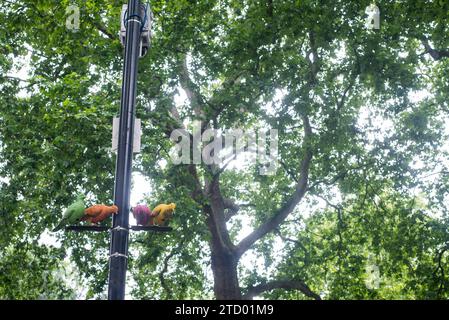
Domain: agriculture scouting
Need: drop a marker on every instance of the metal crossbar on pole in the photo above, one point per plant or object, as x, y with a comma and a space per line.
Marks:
118, 261
104, 228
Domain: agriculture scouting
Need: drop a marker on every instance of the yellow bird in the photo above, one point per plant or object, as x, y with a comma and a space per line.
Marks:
163, 213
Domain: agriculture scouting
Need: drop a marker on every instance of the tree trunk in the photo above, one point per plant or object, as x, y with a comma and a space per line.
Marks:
224, 260
226, 282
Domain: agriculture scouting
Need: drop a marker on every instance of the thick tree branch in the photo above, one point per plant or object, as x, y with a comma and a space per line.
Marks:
281, 284
218, 171
103, 30
190, 88
215, 209
100, 26
221, 240
281, 214
344, 96
314, 62
434, 53
14, 78
440, 268
288, 171
197, 193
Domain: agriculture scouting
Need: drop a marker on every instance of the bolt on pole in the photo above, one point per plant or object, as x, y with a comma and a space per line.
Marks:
118, 260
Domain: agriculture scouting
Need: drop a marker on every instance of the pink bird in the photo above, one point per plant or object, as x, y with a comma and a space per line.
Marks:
143, 215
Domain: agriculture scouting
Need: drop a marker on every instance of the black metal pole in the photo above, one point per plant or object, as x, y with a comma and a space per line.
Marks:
119, 234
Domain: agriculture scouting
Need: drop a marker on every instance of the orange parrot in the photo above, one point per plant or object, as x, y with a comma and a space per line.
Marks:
98, 213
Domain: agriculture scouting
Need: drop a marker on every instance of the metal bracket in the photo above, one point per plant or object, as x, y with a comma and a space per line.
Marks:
137, 134
134, 20
119, 228
118, 255
144, 17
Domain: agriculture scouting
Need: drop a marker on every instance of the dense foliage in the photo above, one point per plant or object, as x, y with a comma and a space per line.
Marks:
362, 182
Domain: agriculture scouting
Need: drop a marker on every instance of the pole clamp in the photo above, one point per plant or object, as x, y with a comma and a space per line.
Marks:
117, 255
119, 228
133, 20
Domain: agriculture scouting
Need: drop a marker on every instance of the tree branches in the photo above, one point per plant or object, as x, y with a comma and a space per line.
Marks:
161, 274
290, 205
434, 53
164, 270
281, 284
190, 88
440, 269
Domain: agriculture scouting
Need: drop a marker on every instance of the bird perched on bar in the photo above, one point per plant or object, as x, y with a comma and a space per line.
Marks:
98, 213
143, 215
163, 214
73, 213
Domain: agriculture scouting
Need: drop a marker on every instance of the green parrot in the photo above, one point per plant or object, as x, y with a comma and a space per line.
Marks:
73, 213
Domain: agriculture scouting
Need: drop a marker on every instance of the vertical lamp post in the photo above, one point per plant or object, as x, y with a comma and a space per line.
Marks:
120, 232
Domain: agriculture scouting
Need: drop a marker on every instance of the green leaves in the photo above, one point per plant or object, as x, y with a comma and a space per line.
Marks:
30, 271
377, 103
